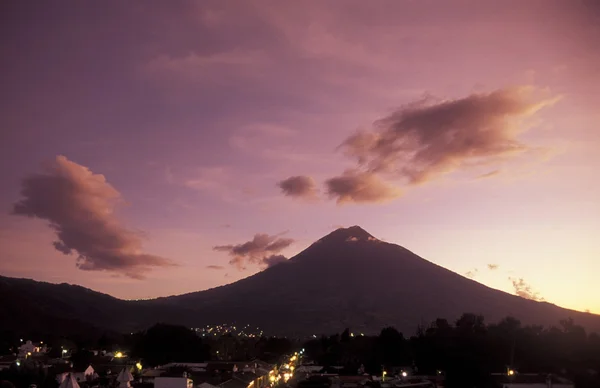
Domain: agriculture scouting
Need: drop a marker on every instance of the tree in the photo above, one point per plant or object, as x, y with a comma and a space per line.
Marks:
82, 359
164, 343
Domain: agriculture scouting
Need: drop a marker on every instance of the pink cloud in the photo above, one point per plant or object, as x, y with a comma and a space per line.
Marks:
80, 207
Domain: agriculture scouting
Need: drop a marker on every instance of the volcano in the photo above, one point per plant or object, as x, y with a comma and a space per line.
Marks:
351, 279
347, 279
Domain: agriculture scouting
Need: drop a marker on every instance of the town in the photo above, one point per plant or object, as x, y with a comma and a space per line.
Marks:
503, 355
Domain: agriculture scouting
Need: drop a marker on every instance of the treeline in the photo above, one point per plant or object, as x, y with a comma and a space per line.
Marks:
468, 351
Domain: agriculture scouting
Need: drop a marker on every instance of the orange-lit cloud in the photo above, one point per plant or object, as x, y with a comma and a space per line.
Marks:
423, 140
215, 267
493, 267
80, 207
524, 290
300, 186
262, 250
360, 187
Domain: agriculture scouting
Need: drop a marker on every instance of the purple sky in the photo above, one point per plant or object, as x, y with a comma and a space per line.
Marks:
176, 146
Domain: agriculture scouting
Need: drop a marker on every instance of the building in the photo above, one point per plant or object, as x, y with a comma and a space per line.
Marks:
531, 380
80, 375
69, 382
29, 348
173, 382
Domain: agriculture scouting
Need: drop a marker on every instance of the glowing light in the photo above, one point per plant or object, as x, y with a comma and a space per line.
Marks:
511, 372
29, 353
18, 363
292, 368
404, 374
272, 378
64, 351
117, 355
139, 366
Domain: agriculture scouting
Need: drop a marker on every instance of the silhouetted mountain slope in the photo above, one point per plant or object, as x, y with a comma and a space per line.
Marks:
350, 279
346, 279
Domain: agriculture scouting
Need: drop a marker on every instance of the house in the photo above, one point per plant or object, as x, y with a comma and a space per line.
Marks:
173, 382
29, 348
309, 369
206, 385
530, 380
69, 382
80, 375
233, 383
124, 378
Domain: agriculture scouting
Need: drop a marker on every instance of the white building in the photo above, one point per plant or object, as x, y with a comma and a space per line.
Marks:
81, 375
124, 378
69, 382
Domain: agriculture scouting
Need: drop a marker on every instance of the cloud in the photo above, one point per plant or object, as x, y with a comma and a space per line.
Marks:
216, 267
425, 139
300, 186
194, 66
472, 273
489, 174
80, 206
492, 267
260, 250
360, 187
212, 180
524, 290
274, 260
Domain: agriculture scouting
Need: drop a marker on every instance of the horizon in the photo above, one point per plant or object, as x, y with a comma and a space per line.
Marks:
160, 150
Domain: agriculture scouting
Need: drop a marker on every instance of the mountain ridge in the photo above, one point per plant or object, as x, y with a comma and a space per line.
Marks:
347, 278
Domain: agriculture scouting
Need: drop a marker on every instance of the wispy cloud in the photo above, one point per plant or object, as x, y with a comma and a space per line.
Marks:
423, 140
200, 67
472, 273
524, 290
300, 186
489, 174
80, 207
263, 250
215, 267
360, 187
493, 267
